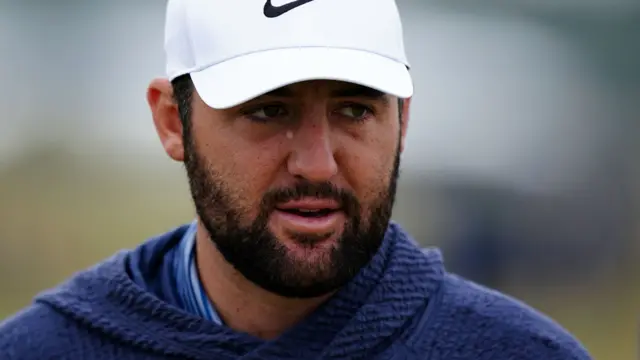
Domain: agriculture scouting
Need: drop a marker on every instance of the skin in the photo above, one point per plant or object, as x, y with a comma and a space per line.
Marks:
316, 132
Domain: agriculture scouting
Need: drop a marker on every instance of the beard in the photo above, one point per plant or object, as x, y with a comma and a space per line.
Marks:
254, 251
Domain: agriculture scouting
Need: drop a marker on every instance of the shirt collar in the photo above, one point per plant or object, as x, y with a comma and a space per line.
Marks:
189, 287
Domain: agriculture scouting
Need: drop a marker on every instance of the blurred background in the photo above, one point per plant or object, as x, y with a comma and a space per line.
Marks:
520, 162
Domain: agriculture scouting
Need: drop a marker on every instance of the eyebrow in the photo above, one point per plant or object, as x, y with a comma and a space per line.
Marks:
357, 91
350, 91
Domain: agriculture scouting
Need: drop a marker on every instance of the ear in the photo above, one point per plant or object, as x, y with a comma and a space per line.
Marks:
166, 117
406, 106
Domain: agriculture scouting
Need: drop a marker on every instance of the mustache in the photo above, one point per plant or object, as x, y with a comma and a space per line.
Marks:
325, 190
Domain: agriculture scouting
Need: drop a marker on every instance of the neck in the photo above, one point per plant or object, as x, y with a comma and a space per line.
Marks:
242, 305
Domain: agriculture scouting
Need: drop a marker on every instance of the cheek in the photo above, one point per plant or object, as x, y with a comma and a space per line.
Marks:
368, 169
247, 172
243, 159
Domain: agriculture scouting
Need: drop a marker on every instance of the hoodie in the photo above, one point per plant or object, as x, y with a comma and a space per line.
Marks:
403, 305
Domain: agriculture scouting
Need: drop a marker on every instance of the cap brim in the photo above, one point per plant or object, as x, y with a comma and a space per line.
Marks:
243, 78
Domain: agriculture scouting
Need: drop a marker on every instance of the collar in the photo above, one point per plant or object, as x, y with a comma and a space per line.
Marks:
190, 291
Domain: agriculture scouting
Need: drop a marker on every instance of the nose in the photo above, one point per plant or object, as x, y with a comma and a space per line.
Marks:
312, 154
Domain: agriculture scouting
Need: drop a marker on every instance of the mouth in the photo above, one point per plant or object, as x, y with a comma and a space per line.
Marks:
310, 207
309, 213
309, 216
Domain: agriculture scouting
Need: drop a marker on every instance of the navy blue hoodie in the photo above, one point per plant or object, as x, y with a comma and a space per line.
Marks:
403, 305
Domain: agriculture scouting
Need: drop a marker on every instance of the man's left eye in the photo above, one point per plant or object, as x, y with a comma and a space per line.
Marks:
355, 111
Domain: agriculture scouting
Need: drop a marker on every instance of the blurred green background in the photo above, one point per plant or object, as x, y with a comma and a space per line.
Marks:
521, 156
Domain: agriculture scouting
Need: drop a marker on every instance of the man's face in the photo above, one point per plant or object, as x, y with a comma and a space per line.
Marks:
296, 187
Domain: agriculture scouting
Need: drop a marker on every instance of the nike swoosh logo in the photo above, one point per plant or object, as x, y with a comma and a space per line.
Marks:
271, 11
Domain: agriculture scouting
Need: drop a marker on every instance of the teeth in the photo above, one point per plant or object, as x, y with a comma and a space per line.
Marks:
307, 210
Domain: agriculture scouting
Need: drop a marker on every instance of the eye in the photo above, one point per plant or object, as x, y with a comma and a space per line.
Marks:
355, 111
267, 112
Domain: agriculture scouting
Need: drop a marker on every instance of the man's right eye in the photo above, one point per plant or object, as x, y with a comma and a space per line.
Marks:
267, 112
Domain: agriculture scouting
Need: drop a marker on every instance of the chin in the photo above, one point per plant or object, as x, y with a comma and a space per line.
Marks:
311, 249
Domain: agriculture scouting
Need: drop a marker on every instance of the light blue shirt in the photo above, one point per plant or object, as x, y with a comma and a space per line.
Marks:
189, 286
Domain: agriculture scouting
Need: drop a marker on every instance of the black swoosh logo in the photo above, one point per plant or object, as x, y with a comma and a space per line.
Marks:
271, 11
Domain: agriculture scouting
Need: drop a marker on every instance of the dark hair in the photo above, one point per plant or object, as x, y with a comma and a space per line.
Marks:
182, 94
183, 91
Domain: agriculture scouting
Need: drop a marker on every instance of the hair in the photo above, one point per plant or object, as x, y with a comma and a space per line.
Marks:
183, 93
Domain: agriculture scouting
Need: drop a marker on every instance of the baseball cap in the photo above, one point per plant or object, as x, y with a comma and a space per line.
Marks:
236, 50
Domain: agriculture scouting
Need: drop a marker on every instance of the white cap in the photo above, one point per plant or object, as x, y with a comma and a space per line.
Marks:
236, 50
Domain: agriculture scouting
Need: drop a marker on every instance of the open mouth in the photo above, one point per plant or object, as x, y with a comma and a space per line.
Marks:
309, 213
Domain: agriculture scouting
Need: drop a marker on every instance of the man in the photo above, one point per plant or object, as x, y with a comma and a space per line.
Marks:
290, 120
